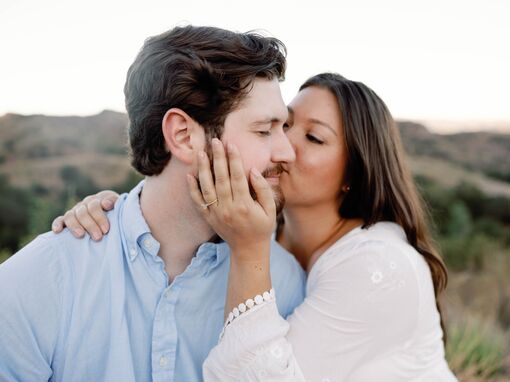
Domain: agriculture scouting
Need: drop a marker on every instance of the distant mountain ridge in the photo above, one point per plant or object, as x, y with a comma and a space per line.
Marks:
35, 148
484, 152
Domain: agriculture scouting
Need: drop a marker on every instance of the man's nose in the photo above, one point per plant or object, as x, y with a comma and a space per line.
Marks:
282, 150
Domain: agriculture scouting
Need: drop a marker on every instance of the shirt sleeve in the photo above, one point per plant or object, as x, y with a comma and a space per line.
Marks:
29, 312
360, 306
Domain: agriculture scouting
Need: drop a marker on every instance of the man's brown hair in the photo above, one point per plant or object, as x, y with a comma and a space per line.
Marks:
205, 71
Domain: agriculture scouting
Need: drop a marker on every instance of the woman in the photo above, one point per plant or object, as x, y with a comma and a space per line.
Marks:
355, 222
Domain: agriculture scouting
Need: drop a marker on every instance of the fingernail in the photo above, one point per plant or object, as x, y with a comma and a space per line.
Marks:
230, 148
216, 143
104, 229
108, 203
79, 232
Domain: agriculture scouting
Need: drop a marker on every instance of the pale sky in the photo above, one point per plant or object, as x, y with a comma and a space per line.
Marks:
429, 60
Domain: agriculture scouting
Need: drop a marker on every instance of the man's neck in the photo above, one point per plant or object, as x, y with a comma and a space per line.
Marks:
173, 220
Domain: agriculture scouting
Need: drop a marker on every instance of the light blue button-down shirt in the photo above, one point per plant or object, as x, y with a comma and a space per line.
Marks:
79, 310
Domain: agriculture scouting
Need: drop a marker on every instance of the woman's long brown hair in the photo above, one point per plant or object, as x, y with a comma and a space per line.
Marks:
381, 185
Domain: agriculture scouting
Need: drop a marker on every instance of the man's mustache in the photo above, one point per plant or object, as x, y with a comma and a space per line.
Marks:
273, 171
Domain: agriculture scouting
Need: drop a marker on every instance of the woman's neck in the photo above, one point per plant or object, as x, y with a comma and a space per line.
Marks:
308, 232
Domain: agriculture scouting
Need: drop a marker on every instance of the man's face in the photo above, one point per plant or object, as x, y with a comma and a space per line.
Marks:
256, 128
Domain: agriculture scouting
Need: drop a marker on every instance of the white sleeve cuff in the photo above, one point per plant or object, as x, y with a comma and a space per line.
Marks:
254, 348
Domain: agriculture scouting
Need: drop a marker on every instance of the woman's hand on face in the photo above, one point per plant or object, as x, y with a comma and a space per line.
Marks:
241, 221
88, 216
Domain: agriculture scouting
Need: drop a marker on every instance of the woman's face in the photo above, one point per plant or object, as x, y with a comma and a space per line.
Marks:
316, 134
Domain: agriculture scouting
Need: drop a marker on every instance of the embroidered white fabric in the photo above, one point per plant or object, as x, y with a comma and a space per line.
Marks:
243, 307
369, 315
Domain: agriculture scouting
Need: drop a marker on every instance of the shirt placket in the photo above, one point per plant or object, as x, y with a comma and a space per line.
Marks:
164, 336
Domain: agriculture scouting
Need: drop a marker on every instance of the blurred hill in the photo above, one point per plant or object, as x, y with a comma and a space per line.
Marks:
34, 150
476, 156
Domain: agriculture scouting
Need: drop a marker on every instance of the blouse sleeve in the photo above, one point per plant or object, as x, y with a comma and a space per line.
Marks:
361, 305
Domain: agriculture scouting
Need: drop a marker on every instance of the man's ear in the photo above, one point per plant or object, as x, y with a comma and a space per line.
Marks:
183, 135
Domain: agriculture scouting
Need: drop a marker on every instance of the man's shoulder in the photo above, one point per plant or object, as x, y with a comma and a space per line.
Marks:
284, 266
288, 278
32, 284
281, 258
52, 254
40, 254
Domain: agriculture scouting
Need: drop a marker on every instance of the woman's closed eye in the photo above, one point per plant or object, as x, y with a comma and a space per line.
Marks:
314, 139
264, 133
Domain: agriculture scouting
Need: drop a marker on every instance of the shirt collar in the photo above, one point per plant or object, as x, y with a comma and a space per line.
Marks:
215, 252
136, 230
222, 252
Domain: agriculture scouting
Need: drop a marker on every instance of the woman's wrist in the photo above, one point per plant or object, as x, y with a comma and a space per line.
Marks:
245, 253
249, 273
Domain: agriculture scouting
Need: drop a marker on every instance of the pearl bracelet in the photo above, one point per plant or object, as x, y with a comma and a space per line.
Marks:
248, 304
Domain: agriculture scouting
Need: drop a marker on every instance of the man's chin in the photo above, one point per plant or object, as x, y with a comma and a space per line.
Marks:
279, 199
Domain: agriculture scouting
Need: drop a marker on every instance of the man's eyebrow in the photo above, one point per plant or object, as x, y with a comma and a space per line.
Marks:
267, 121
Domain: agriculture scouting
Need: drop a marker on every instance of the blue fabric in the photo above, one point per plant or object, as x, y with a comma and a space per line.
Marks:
79, 310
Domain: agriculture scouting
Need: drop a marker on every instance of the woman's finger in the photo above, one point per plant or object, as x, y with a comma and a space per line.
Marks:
86, 221
96, 212
221, 173
108, 199
195, 193
107, 204
73, 225
58, 224
205, 178
265, 196
238, 181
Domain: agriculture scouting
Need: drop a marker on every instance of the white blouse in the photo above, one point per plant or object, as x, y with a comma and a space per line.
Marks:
369, 315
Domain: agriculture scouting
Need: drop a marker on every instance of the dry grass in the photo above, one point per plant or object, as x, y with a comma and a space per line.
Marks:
478, 319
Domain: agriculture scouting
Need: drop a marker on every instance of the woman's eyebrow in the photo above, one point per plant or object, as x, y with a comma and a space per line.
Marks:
319, 122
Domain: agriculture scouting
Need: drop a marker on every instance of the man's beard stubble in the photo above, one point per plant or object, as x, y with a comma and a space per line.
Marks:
279, 198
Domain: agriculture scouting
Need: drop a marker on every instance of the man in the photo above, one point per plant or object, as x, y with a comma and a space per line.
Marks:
146, 302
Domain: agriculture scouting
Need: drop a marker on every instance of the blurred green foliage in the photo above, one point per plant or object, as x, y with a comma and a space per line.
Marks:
475, 349
27, 213
469, 225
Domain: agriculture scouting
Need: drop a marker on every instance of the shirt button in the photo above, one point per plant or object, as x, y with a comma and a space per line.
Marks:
147, 243
163, 361
132, 252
